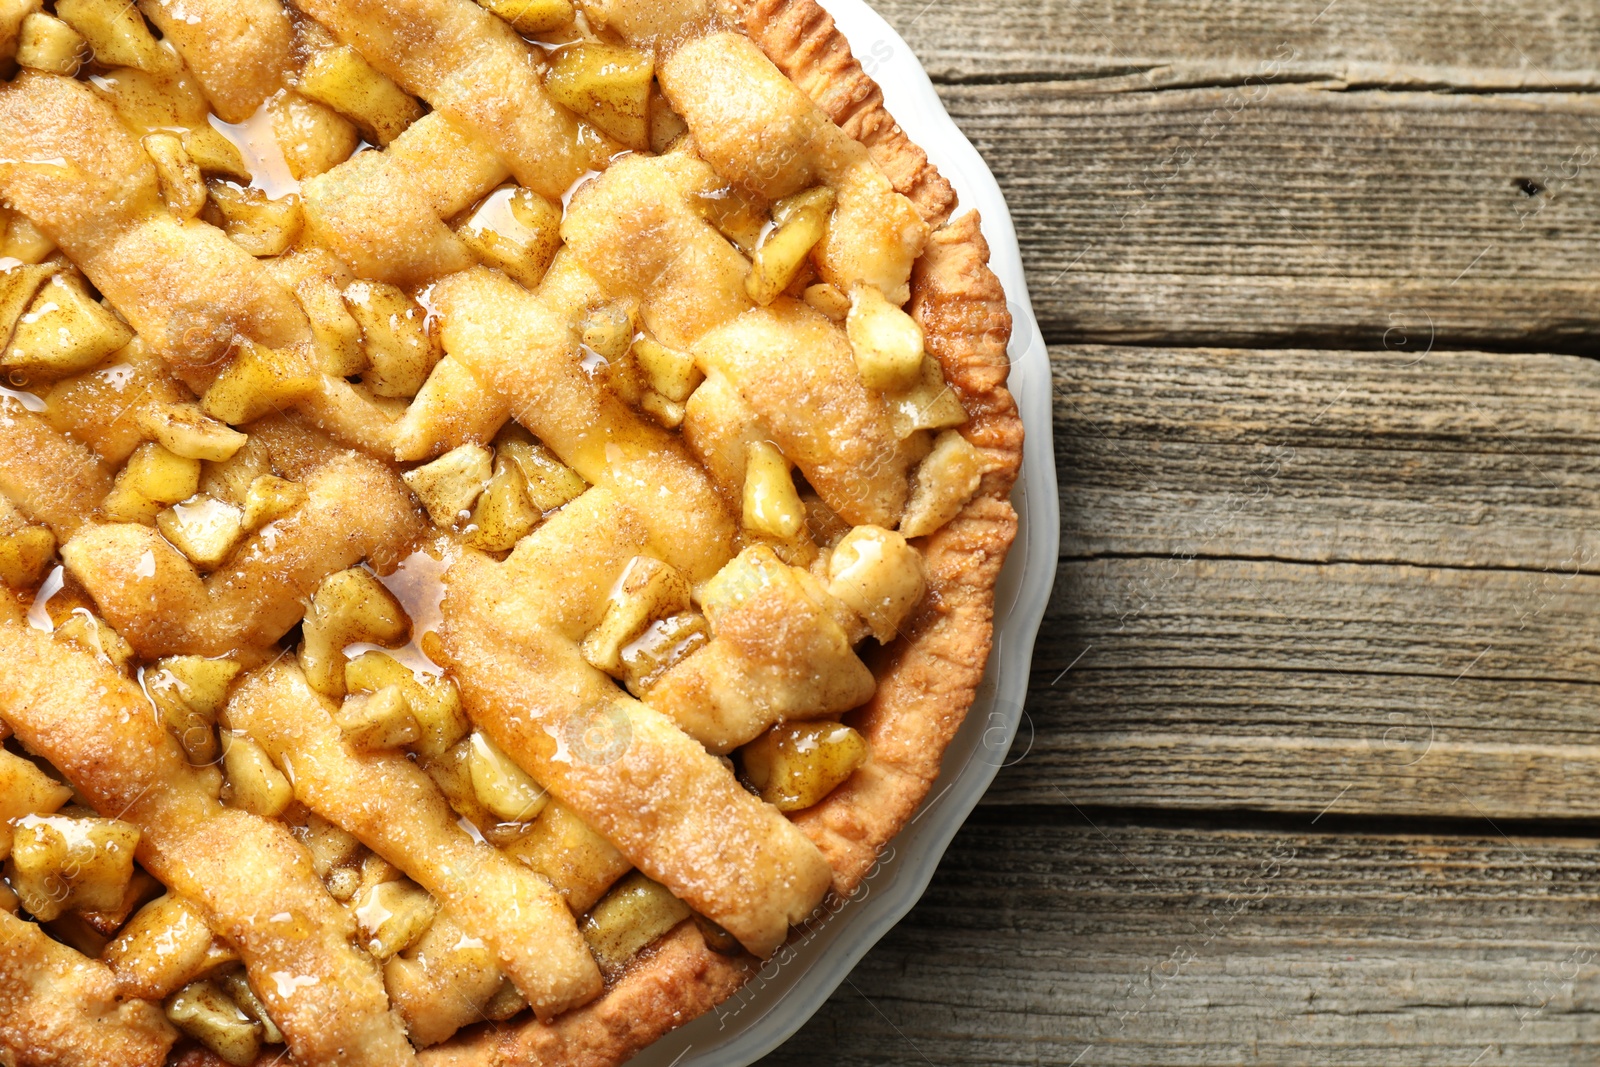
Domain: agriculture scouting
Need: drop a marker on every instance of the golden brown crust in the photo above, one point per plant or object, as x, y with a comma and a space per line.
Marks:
967, 322
55, 480
62, 1009
800, 37
928, 679
679, 981
926, 684
238, 49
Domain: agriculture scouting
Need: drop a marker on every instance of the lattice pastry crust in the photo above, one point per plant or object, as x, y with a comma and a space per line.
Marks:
467, 603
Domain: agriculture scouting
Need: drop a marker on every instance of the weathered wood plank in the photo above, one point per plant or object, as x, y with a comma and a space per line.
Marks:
1222, 684
1202, 614
1280, 215
1309, 743
1395, 717
1112, 43
1069, 944
1412, 774
1456, 459
1274, 214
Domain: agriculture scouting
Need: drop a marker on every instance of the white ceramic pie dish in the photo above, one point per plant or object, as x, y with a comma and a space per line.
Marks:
790, 988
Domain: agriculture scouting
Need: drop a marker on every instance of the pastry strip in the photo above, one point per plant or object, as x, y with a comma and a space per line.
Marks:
73, 169
381, 212
758, 130
775, 657
61, 1008
371, 213
353, 417
356, 510
456, 405
190, 292
252, 878
239, 50
452, 168
473, 67
52, 478
453, 408
527, 350
795, 370
394, 808
673, 809
652, 24
800, 38
635, 230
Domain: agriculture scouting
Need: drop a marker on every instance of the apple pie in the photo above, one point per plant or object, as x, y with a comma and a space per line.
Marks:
500, 505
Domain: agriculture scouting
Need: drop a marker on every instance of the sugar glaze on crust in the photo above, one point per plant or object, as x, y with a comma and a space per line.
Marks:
928, 678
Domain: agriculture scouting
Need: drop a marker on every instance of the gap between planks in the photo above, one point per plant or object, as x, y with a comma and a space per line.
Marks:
1458, 683
1405, 222
1455, 460
1097, 946
1111, 45
1053, 941
1227, 684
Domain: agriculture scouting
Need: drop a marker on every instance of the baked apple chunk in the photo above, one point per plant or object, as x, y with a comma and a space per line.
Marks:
500, 502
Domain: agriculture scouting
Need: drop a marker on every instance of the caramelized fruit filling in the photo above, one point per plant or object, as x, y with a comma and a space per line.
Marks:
440, 529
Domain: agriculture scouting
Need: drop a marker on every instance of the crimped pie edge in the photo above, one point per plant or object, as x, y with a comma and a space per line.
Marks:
928, 678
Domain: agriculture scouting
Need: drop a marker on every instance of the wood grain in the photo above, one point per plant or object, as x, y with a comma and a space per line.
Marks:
1274, 214
1048, 940
1455, 459
1204, 614
1229, 684
1345, 583
1105, 44
1398, 756
1204, 681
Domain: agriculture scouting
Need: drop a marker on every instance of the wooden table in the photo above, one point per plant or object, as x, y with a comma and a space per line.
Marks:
1311, 771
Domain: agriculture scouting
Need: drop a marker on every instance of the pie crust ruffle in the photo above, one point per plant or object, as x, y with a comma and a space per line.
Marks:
929, 677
